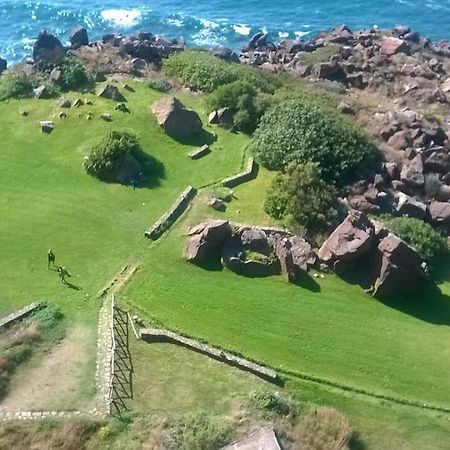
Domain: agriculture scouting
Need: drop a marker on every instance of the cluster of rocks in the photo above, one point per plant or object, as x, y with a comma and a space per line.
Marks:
415, 178
390, 265
386, 263
366, 58
250, 251
175, 119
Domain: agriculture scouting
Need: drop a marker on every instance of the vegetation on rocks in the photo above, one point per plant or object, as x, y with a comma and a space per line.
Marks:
73, 75
301, 199
247, 104
420, 235
201, 71
300, 131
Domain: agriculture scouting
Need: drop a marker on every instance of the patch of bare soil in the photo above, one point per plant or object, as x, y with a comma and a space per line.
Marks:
51, 381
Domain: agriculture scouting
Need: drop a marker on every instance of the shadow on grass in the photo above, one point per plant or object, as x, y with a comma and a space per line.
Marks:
356, 442
156, 173
197, 140
430, 305
306, 281
72, 286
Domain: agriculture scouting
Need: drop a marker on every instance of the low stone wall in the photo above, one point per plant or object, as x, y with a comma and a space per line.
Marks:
159, 335
20, 314
175, 211
246, 175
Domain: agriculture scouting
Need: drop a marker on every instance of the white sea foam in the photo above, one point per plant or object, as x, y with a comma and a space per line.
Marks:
300, 34
283, 34
122, 17
243, 30
209, 23
175, 22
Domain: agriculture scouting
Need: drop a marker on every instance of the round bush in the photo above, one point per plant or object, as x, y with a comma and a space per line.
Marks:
73, 75
105, 159
302, 200
301, 131
420, 235
15, 85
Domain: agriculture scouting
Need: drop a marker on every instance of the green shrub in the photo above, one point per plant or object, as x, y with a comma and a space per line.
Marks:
15, 85
302, 200
49, 316
420, 235
199, 432
106, 159
300, 131
273, 403
247, 104
73, 75
322, 54
202, 71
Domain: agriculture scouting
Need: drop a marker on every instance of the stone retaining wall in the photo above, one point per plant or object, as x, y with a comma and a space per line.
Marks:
246, 175
175, 211
159, 335
20, 314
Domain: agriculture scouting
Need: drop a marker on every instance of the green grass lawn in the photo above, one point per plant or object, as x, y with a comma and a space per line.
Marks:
169, 380
94, 228
331, 330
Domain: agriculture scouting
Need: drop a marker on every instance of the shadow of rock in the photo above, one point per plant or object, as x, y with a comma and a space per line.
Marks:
430, 305
306, 281
196, 140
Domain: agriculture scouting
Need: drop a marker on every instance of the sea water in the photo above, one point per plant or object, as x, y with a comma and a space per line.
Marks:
208, 23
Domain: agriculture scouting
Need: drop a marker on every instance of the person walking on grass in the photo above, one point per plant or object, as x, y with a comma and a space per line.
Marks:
63, 273
50, 259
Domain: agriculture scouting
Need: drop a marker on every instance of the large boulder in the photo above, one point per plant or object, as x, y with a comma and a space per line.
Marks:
3, 65
391, 45
438, 161
111, 92
412, 172
439, 213
408, 206
397, 267
175, 119
205, 239
79, 36
294, 254
48, 50
223, 117
348, 242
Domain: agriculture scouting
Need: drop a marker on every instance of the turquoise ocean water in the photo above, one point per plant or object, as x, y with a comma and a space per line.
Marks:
211, 22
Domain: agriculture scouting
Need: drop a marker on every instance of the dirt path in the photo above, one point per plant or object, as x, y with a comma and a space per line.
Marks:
54, 380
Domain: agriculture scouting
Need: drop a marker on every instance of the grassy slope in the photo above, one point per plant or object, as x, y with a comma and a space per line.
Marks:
94, 228
332, 330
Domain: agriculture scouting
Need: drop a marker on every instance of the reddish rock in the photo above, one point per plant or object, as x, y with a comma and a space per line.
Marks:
349, 241
439, 212
398, 268
391, 46
176, 120
206, 238
401, 140
412, 172
360, 203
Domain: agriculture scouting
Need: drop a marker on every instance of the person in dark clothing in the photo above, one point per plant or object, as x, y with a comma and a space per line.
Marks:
50, 259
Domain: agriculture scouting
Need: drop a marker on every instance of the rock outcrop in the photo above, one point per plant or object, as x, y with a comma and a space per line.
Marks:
111, 92
175, 119
250, 251
391, 265
205, 239
48, 50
